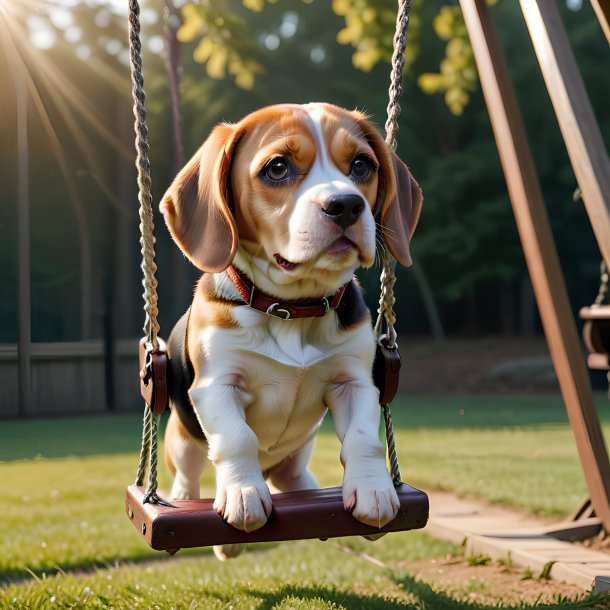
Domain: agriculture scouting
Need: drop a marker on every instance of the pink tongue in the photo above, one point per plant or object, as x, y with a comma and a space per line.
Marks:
340, 245
283, 263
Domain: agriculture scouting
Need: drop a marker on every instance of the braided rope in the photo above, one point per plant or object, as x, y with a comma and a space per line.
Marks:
151, 489
391, 443
147, 239
388, 274
145, 448
149, 450
387, 299
604, 280
149, 456
398, 67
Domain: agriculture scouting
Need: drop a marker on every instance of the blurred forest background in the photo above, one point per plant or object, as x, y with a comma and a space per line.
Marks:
68, 60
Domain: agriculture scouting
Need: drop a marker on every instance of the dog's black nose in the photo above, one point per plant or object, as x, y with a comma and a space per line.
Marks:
344, 209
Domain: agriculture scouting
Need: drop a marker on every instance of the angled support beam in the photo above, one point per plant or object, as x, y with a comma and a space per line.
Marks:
577, 121
540, 253
602, 10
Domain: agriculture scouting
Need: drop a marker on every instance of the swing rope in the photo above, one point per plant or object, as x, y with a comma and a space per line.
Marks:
149, 449
388, 274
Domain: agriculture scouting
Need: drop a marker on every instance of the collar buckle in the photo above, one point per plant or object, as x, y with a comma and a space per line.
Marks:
276, 311
326, 304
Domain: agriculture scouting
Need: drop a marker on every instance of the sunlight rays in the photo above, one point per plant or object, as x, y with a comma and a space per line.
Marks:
59, 90
51, 89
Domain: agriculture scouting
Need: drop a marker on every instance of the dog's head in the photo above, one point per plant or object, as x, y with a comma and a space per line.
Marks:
301, 186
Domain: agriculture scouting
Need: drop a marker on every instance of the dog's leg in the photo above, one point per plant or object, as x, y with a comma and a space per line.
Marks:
292, 473
242, 496
368, 491
185, 459
289, 475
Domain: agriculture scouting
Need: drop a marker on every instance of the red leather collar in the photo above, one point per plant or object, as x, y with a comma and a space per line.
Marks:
261, 301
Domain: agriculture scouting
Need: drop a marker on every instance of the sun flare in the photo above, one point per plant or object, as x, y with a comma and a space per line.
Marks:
33, 35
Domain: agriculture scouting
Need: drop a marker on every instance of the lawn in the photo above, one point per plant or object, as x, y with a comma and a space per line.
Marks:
65, 542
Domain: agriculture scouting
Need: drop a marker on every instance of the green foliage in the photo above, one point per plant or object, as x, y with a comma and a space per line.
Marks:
527, 574
466, 243
478, 560
369, 29
224, 43
546, 570
506, 563
458, 75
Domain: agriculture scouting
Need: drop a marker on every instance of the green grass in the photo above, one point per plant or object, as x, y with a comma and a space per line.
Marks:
302, 570
515, 451
63, 519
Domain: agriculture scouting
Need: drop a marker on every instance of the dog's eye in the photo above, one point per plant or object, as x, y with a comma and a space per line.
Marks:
277, 170
362, 169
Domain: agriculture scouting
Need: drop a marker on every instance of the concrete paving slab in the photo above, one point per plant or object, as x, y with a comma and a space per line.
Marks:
527, 541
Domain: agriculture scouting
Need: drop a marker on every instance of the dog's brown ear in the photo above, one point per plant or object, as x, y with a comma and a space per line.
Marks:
400, 210
399, 198
196, 206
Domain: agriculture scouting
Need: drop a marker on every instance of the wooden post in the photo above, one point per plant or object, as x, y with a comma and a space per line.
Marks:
23, 248
577, 121
602, 10
540, 253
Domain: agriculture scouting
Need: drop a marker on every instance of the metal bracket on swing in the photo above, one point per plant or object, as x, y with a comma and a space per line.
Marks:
386, 369
153, 375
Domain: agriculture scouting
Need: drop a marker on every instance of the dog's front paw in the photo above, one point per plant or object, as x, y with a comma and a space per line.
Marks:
244, 507
372, 500
227, 551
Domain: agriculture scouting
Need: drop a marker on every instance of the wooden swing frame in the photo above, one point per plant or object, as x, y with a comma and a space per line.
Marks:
298, 515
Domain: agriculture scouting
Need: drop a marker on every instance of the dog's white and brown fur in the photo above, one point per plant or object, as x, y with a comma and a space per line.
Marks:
292, 196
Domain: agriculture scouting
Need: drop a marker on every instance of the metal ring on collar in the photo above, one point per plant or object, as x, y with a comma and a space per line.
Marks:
326, 304
275, 310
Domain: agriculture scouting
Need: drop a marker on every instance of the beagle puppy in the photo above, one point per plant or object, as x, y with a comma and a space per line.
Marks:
279, 210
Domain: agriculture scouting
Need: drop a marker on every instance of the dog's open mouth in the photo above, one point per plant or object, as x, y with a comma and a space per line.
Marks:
343, 244
284, 264
340, 246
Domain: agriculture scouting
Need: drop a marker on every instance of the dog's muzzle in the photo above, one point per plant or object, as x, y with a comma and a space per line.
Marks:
345, 210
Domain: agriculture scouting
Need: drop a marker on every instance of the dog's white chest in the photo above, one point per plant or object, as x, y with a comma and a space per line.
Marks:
293, 343
283, 370
287, 407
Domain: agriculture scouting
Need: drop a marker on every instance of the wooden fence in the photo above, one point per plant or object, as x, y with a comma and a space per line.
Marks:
71, 378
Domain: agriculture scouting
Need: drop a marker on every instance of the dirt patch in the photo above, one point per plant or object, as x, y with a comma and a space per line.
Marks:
489, 582
484, 365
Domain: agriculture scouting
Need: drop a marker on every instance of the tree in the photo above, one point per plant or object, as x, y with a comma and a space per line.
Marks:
467, 242
307, 51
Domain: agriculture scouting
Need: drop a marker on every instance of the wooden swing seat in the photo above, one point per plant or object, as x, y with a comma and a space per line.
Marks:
296, 515
596, 335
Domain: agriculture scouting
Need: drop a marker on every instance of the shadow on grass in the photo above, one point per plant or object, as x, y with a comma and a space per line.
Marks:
430, 598
13, 576
121, 433
61, 437
343, 599
426, 596
25, 574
